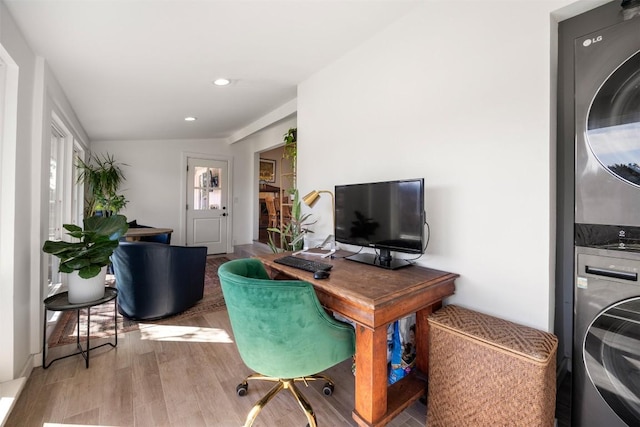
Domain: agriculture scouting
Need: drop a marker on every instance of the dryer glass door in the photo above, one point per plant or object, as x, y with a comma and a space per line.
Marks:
612, 358
613, 127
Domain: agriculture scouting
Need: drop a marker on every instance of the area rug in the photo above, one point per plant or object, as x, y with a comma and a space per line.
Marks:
102, 316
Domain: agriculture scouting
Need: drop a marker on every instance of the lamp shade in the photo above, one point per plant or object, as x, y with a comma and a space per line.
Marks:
311, 198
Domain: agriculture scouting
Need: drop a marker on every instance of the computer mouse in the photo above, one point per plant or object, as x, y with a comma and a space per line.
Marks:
321, 274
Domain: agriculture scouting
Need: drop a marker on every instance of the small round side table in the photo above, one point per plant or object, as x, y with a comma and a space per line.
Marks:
60, 302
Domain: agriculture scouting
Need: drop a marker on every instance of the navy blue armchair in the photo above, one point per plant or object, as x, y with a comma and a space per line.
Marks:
156, 280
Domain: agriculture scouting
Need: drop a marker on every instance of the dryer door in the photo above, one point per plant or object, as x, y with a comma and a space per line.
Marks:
607, 115
612, 358
613, 124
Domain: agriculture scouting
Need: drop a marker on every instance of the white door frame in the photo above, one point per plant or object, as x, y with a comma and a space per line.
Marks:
182, 216
8, 150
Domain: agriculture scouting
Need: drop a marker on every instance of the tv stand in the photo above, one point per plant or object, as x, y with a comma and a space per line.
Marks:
384, 260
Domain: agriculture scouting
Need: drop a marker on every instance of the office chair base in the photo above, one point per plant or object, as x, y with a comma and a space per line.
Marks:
284, 383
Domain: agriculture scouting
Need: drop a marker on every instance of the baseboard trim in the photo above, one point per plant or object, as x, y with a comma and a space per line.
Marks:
9, 393
10, 390
32, 361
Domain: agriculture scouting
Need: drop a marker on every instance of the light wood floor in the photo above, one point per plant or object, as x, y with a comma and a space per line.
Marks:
182, 376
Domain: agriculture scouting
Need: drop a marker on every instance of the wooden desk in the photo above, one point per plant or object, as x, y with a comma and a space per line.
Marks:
374, 297
134, 234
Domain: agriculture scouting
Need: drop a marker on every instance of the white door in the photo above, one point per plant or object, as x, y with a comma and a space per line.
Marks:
207, 204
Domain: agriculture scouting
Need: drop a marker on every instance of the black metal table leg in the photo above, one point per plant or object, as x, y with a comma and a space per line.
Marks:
60, 302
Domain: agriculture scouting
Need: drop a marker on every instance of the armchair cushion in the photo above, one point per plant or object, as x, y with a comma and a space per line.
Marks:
157, 280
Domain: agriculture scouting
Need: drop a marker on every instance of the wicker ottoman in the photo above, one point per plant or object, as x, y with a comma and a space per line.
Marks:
486, 371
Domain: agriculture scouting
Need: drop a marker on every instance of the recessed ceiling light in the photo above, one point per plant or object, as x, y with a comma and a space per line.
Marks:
221, 82
190, 119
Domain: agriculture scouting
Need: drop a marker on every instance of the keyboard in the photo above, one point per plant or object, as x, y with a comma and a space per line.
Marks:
303, 264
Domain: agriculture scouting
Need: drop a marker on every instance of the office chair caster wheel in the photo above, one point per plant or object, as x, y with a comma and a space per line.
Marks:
241, 389
327, 390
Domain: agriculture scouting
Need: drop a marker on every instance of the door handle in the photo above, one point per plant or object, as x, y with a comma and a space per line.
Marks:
611, 273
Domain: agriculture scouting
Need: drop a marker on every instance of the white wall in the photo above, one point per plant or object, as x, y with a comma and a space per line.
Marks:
14, 340
25, 177
154, 174
461, 97
246, 177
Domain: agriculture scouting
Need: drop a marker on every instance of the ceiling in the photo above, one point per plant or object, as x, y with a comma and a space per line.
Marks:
134, 69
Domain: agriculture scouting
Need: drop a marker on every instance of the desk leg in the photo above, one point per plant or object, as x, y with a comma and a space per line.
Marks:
371, 375
422, 337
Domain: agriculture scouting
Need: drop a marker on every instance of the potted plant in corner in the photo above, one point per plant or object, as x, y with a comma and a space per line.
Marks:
86, 260
103, 175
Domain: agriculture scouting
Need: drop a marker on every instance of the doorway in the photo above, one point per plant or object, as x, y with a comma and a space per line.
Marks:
269, 187
207, 204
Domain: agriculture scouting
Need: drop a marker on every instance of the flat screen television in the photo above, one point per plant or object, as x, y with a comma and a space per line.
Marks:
387, 216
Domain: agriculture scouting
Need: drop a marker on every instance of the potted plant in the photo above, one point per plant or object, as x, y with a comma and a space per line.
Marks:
86, 260
290, 140
104, 177
291, 236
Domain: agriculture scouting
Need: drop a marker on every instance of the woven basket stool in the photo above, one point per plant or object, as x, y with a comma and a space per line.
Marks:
486, 371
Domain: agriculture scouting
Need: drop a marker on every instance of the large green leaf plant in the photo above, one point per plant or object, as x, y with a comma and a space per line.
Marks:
98, 239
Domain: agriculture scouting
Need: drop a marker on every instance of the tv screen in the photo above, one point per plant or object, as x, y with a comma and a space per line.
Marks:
388, 216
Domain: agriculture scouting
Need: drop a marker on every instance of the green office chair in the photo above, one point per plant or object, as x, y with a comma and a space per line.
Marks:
282, 332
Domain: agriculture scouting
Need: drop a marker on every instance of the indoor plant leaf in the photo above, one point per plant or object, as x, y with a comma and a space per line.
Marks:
98, 240
89, 271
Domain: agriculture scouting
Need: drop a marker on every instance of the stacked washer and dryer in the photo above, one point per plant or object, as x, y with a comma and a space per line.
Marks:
606, 353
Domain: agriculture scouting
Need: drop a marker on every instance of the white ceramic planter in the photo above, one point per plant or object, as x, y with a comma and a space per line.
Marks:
86, 290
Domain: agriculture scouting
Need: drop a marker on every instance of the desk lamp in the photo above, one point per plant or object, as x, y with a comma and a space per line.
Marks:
311, 199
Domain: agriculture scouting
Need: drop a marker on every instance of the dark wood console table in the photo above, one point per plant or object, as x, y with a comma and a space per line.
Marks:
374, 297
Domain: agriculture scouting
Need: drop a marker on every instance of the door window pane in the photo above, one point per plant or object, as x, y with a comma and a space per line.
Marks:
206, 188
